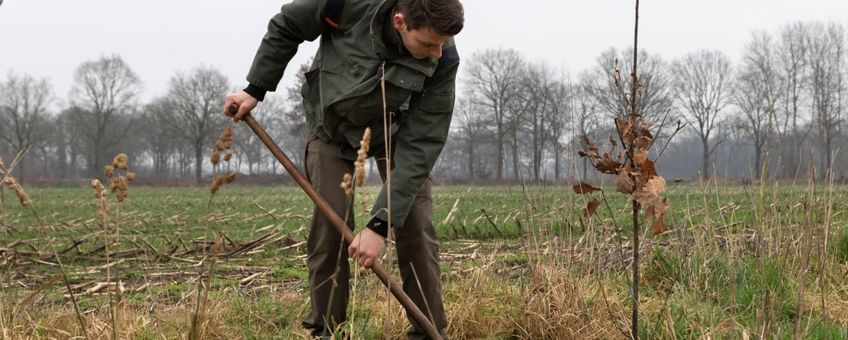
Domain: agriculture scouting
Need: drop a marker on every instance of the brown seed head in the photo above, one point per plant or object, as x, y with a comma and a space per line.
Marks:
230, 177
13, 185
215, 158
130, 175
227, 135
122, 183
219, 145
113, 184
122, 188
347, 184
108, 171
98, 188
121, 161
362, 155
228, 156
216, 184
365, 143
228, 145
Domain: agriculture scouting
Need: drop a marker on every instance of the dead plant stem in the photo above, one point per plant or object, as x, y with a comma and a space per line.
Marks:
634, 331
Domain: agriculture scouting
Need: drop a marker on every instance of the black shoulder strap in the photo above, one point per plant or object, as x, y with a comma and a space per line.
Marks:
333, 13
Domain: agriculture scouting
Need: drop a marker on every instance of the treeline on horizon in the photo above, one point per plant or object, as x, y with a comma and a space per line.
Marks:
781, 104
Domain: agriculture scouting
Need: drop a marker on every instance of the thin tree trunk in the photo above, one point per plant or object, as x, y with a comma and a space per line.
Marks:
198, 162
706, 158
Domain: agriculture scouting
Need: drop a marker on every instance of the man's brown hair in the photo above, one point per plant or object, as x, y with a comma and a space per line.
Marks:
445, 17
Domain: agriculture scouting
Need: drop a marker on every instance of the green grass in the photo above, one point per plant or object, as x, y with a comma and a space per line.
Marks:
730, 263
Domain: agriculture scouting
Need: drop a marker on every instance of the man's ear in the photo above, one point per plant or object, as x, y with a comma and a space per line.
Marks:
399, 21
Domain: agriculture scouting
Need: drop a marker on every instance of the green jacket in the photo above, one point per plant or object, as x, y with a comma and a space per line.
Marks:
342, 93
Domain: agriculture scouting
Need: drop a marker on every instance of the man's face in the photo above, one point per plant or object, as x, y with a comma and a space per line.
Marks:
423, 42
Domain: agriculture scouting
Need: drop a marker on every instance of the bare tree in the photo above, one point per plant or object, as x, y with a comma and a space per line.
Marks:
534, 104
24, 116
558, 119
702, 84
196, 100
758, 89
269, 116
102, 96
160, 141
826, 61
792, 60
587, 114
655, 100
70, 145
493, 78
470, 131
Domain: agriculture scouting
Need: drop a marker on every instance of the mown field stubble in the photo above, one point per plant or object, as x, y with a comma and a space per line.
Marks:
517, 262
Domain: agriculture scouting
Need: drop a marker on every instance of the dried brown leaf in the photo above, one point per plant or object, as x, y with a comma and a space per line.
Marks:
592, 206
658, 227
624, 181
607, 165
643, 142
646, 133
647, 169
593, 152
658, 209
625, 130
584, 188
639, 157
652, 189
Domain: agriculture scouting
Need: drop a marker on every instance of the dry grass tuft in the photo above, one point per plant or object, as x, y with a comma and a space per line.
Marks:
560, 306
481, 305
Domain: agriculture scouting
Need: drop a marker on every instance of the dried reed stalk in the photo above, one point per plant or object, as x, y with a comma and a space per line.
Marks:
223, 144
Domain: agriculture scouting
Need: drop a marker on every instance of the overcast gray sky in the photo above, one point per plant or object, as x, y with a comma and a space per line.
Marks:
50, 38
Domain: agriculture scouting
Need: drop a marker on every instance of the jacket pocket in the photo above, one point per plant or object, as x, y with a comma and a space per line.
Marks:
436, 102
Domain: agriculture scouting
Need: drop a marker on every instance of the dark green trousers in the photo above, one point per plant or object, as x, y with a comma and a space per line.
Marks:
329, 271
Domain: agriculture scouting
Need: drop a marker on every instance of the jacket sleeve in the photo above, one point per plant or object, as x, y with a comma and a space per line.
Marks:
420, 140
297, 21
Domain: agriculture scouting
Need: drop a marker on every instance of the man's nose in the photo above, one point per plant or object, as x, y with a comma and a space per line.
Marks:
436, 51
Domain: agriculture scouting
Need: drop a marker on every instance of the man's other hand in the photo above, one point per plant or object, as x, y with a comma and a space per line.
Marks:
366, 246
245, 103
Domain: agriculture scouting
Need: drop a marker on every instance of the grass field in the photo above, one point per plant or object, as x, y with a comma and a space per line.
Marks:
736, 262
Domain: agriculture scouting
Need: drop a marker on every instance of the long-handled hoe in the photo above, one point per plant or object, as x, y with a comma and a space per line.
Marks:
337, 222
